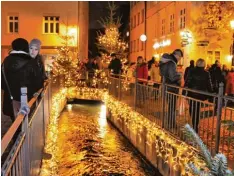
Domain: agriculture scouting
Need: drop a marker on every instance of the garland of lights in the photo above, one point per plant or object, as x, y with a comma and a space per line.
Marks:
165, 144
50, 167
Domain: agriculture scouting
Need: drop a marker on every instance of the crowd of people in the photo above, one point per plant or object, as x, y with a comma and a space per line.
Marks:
198, 76
24, 67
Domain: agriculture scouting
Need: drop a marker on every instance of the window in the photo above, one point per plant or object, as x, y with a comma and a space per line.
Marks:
213, 56
210, 55
13, 24
172, 23
137, 45
131, 47
134, 21
163, 27
138, 18
51, 24
131, 23
142, 15
142, 46
217, 55
182, 18
134, 50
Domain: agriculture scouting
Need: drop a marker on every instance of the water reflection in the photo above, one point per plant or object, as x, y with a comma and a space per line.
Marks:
88, 145
102, 121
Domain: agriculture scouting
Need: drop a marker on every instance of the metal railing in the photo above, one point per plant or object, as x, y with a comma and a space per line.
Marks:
171, 107
24, 153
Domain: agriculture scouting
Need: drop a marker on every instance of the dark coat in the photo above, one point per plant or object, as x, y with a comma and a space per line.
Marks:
19, 73
167, 66
39, 73
115, 65
199, 79
216, 77
187, 71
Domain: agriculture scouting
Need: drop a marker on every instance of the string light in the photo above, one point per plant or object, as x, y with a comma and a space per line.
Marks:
50, 167
165, 144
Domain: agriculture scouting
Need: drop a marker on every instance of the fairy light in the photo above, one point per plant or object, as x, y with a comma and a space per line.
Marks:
50, 167
165, 144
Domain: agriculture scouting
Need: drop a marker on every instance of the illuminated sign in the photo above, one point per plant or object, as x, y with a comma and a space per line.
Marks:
162, 44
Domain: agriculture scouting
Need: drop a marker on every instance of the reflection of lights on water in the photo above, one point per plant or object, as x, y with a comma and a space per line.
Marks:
69, 107
102, 121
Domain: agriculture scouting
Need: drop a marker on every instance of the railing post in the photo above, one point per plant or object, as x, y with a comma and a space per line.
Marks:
163, 91
219, 115
135, 91
24, 101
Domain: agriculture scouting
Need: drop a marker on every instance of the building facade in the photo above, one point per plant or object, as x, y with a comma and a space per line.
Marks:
169, 25
47, 21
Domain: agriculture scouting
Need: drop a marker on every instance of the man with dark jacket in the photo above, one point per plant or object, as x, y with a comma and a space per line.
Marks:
167, 66
19, 73
188, 69
115, 64
216, 76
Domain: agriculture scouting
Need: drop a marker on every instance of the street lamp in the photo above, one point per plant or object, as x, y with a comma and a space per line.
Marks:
143, 38
232, 26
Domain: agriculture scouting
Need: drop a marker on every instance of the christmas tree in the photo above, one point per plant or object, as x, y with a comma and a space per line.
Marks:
66, 62
110, 42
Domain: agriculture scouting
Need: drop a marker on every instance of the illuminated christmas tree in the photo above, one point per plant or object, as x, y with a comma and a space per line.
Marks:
111, 42
66, 62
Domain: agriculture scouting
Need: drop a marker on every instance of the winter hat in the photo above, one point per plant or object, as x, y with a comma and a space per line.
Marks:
20, 44
36, 43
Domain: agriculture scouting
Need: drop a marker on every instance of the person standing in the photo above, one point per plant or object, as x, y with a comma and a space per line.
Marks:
198, 79
216, 76
188, 69
115, 65
34, 51
19, 73
142, 75
168, 70
230, 83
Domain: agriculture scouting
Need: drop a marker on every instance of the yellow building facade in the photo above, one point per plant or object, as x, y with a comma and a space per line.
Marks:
47, 21
169, 25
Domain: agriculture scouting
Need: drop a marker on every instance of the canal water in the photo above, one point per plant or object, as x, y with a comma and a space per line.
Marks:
89, 145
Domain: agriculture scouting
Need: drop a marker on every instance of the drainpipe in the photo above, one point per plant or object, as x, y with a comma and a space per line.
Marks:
77, 28
145, 3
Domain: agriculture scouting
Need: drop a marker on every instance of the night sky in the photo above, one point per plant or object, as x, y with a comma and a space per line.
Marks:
98, 9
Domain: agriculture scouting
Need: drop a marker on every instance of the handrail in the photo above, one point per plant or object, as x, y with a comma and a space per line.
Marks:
13, 128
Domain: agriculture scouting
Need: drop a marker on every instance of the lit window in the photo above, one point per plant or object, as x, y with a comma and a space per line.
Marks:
213, 56
217, 55
51, 24
13, 24
182, 18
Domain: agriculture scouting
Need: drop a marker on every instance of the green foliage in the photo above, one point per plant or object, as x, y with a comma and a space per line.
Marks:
217, 166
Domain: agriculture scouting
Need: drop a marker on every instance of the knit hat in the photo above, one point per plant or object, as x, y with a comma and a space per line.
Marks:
20, 44
36, 43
